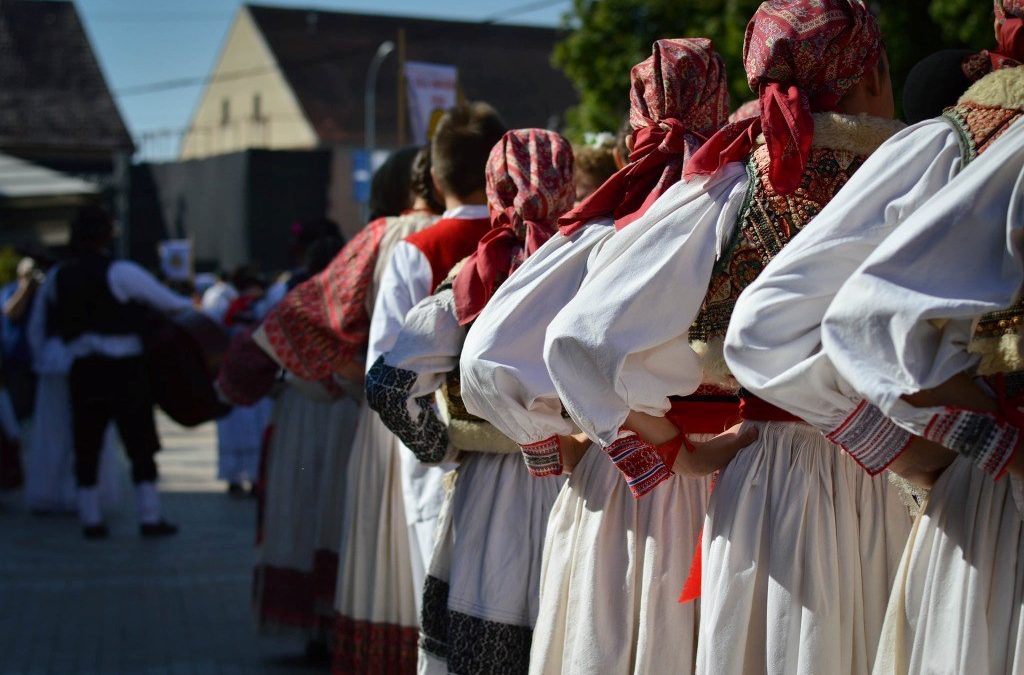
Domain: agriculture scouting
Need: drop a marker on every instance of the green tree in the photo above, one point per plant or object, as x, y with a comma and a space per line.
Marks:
609, 36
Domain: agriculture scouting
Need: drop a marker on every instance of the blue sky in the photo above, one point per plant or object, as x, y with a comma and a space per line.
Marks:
146, 41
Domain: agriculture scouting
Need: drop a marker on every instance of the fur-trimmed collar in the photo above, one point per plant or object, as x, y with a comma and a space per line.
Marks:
859, 134
1003, 88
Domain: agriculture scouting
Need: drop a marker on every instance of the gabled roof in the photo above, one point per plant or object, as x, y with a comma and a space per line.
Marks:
52, 92
324, 56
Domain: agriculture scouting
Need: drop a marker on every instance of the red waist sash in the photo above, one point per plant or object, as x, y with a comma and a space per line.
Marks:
758, 410
753, 409
700, 414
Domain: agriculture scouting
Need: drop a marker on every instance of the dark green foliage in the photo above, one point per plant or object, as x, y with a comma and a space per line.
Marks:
610, 36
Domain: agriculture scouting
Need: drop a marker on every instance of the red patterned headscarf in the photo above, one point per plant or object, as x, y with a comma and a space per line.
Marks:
801, 57
529, 184
1010, 40
679, 97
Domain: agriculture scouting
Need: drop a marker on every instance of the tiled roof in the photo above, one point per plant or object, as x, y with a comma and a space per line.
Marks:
325, 55
52, 92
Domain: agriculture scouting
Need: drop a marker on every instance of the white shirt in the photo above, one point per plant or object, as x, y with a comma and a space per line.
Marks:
903, 321
622, 342
504, 380
407, 280
128, 283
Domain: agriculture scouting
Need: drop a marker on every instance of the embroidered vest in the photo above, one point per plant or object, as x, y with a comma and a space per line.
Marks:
767, 221
980, 117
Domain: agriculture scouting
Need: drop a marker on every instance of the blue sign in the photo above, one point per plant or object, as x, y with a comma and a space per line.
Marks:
361, 176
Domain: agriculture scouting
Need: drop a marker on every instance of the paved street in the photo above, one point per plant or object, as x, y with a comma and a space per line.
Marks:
129, 606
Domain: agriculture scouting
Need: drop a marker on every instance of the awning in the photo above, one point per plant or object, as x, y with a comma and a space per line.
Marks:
22, 180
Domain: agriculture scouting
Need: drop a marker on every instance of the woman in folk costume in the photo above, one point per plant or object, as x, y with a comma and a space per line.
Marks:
480, 595
799, 546
309, 422
460, 148
319, 332
599, 537
773, 346
931, 307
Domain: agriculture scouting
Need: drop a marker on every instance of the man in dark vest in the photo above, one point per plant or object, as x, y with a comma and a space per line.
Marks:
98, 310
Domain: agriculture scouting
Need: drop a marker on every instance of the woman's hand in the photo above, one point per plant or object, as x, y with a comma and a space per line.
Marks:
922, 462
714, 454
572, 449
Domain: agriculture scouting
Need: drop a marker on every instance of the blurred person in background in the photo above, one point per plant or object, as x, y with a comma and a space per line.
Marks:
240, 432
97, 310
218, 297
50, 458
324, 531
595, 163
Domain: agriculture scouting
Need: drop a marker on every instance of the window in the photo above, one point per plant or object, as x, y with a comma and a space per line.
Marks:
257, 108
225, 112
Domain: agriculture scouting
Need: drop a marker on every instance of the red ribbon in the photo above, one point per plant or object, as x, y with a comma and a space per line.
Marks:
788, 129
496, 257
633, 188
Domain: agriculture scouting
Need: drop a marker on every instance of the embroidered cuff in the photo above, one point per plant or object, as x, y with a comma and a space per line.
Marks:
870, 438
543, 458
640, 462
989, 441
388, 393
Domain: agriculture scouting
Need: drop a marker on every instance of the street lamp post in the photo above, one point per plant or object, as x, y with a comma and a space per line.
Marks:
370, 102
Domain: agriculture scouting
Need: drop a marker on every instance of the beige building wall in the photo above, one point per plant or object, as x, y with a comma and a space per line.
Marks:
247, 103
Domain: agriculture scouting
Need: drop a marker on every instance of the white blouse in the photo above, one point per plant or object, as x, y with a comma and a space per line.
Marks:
622, 342
773, 345
504, 379
903, 321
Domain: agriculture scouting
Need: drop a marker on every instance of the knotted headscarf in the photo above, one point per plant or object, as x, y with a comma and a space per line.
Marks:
529, 185
678, 98
801, 57
1009, 51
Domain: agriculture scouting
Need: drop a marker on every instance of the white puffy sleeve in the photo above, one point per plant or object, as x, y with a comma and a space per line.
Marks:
400, 385
621, 343
504, 379
904, 320
773, 346
406, 281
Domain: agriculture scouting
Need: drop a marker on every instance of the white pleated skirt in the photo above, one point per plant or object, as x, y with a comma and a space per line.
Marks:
613, 569
295, 461
956, 607
800, 551
481, 595
377, 623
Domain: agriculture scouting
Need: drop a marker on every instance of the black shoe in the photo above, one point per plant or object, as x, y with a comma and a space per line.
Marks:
236, 489
158, 529
95, 532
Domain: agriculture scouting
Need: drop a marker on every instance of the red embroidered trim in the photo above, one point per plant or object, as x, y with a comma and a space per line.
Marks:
543, 458
987, 440
365, 648
870, 438
640, 463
